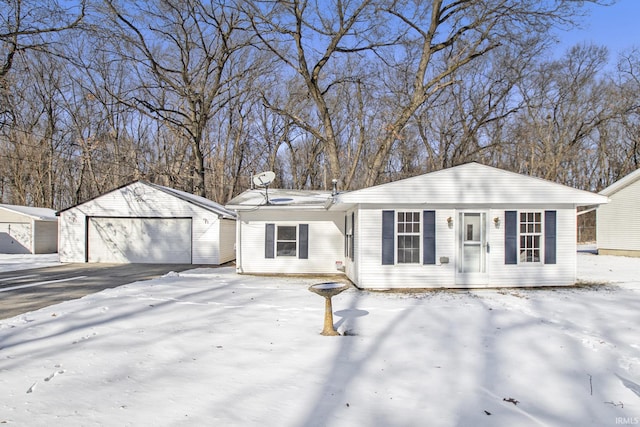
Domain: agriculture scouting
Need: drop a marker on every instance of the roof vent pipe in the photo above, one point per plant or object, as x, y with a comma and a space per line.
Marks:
334, 189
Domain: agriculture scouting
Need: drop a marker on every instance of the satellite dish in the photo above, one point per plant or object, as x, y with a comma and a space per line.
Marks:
264, 179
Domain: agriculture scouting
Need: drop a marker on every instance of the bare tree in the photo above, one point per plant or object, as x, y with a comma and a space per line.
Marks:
309, 37
28, 25
629, 96
568, 106
416, 49
449, 36
464, 122
31, 140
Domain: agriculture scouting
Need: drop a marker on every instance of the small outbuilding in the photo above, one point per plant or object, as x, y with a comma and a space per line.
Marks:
467, 226
147, 223
28, 230
618, 222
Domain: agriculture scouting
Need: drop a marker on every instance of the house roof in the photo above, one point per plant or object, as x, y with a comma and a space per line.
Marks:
472, 183
467, 184
281, 198
39, 214
202, 202
621, 183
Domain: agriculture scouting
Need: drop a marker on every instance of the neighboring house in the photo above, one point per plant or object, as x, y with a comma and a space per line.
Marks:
470, 225
618, 222
147, 223
27, 230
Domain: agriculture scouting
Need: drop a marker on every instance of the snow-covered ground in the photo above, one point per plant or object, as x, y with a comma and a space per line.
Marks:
12, 262
209, 347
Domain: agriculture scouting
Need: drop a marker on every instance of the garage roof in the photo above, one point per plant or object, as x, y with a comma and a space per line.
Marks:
39, 214
196, 200
202, 202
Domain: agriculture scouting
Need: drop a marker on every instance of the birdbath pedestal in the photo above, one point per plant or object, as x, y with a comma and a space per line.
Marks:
327, 290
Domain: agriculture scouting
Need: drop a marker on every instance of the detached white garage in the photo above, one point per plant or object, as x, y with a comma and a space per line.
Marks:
147, 223
28, 230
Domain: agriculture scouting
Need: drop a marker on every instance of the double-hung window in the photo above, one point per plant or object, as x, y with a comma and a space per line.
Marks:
286, 241
530, 236
408, 237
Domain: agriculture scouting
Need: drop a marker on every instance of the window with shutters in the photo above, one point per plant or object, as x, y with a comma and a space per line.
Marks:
530, 236
408, 237
286, 240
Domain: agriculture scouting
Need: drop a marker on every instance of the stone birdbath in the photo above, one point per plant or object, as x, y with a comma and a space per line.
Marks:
327, 290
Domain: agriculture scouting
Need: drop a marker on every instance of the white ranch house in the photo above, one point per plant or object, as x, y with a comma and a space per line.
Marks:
466, 226
28, 230
147, 223
618, 222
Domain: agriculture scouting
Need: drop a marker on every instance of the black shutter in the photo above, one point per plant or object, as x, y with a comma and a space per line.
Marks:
346, 238
353, 236
303, 238
550, 237
429, 237
510, 237
388, 225
269, 240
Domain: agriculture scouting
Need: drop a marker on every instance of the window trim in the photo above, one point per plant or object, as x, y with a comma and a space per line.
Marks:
296, 240
414, 234
539, 234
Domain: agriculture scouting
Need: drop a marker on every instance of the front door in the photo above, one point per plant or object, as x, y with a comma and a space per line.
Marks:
472, 249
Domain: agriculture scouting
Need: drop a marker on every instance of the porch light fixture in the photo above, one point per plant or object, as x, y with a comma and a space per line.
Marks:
450, 222
496, 221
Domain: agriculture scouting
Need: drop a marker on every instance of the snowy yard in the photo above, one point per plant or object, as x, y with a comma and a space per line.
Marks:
209, 347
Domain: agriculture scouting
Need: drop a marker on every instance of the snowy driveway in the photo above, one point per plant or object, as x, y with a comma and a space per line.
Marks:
28, 290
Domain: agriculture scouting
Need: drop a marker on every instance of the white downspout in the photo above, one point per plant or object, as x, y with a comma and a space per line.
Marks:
238, 243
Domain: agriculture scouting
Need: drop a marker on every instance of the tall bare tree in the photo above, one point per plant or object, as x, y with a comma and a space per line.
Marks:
416, 48
185, 54
31, 25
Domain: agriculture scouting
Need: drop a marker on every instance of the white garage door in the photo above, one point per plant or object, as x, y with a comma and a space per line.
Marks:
140, 240
15, 238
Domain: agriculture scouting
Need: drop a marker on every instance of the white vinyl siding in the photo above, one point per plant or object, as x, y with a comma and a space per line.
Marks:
139, 200
535, 274
325, 242
373, 275
227, 241
618, 222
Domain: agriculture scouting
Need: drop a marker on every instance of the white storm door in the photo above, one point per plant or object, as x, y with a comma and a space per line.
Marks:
140, 240
472, 249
